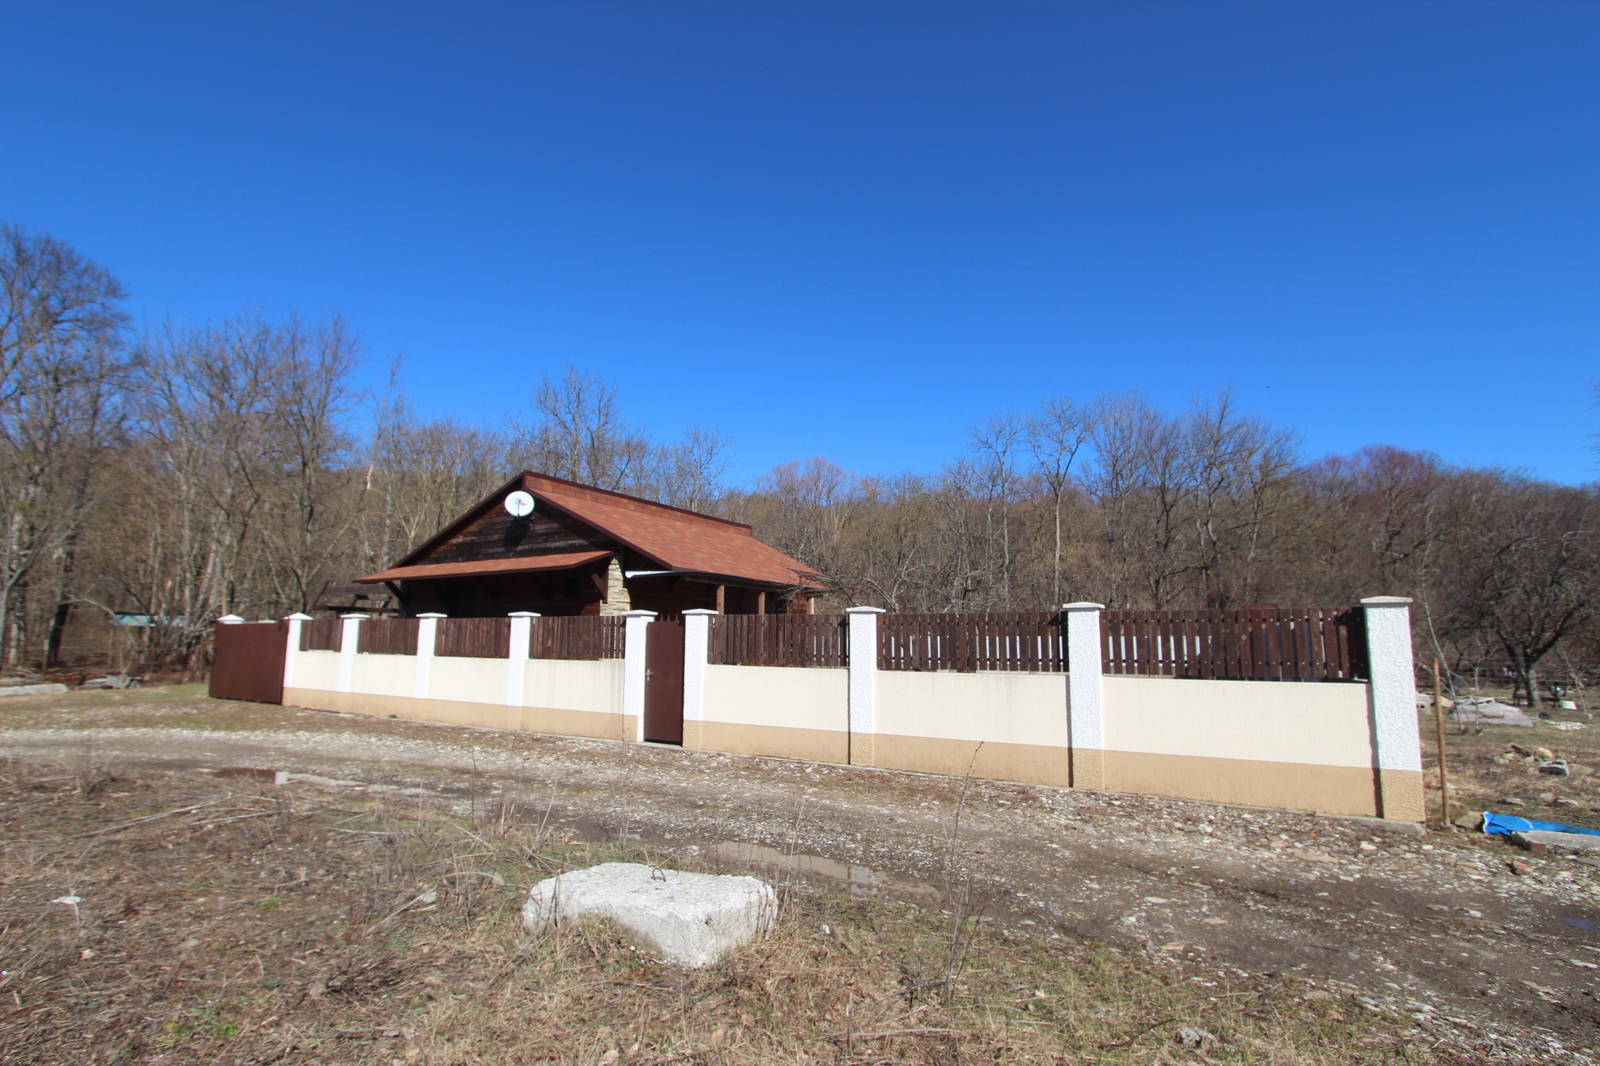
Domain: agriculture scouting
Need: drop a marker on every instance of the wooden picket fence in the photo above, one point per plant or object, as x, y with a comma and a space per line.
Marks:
1033, 641
473, 638
1255, 643
321, 634
778, 640
587, 637
388, 636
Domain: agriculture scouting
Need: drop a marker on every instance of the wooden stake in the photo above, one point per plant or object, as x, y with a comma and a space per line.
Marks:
1438, 726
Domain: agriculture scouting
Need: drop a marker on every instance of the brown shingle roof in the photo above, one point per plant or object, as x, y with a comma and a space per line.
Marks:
484, 567
676, 539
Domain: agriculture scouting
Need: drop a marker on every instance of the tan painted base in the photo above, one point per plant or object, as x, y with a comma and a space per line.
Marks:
1034, 764
1088, 768
811, 745
1401, 796
554, 720
1250, 782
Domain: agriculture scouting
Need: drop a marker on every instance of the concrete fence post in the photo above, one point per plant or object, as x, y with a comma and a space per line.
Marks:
349, 640
291, 646
696, 649
1085, 711
863, 685
517, 655
633, 637
427, 634
1392, 707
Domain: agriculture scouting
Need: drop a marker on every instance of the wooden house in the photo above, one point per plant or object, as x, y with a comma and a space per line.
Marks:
543, 544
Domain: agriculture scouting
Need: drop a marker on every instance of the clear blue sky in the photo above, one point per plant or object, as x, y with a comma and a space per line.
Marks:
855, 229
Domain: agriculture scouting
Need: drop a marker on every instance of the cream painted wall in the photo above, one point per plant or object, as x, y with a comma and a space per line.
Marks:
316, 669
381, 675
791, 697
572, 685
468, 680
1286, 722
990, 707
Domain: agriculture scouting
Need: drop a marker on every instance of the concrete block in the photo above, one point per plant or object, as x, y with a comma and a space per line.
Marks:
687, 919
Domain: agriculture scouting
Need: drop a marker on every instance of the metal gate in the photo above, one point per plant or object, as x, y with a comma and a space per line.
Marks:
247, 661
663, 682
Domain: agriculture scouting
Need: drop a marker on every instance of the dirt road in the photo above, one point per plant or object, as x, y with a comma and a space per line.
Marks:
1438, 926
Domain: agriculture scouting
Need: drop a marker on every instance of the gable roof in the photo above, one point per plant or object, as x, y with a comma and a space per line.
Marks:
675, 539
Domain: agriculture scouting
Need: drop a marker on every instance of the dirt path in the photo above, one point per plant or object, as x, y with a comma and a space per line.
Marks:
1437, 926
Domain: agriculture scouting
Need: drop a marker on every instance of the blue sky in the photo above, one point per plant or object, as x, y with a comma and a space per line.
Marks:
856, 229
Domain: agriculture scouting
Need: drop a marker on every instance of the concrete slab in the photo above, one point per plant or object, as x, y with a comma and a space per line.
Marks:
687, 919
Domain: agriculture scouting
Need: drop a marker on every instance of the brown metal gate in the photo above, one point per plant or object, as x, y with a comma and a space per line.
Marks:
663, 682
247, 663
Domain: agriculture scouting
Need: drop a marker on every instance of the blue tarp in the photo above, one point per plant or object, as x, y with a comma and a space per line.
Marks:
1505, 825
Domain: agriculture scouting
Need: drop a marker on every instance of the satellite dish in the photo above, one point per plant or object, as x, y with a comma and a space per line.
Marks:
519, 504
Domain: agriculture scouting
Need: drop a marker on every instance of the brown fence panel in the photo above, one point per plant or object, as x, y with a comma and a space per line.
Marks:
321, 634
1033, 641
779, 640
247, 661
586, 637
388, 636
1254, 643
473, 638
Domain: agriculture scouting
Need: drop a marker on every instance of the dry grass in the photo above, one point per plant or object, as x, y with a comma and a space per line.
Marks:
274, 925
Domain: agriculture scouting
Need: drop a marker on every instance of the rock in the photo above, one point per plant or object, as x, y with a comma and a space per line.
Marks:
1519, 868
1569, 705
1192, 1037
1544, 754
1467, 821
1547, 798
1562, 801
1567, 727
1556, 767
1512, 801
33, 690
688, 919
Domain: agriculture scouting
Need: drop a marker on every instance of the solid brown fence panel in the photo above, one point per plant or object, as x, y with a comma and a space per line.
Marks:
779, 640
247, 661
473, 638
321, 634
1250, 644
1031, 641
585, 637
388, 636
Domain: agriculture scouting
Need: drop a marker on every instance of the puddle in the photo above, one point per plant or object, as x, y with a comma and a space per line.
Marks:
1582, 923
860, 880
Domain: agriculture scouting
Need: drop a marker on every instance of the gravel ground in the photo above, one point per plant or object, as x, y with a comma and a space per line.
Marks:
1438, 926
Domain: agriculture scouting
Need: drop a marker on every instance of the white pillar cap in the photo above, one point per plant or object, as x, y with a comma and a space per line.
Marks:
431, 614
356, 616
638, 614
229, 620
699, 610
524, 614
1083, 605
864, 610
1386, 601
298, 617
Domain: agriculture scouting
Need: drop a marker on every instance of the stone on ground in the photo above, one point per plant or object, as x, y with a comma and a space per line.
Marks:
688, 919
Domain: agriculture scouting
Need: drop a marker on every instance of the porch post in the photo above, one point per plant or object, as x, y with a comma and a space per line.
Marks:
633, 638
1392, 708
292, 646
1085, 710
349, 639
427, 632
863, 684
696, 646
517, 656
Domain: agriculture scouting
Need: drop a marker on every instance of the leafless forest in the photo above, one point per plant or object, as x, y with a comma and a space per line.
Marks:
180, 472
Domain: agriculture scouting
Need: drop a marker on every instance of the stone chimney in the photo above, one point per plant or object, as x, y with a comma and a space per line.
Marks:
617, 600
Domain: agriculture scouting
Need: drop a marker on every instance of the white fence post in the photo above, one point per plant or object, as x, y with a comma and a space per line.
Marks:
863, 684
349, 638
517, 656
1392, 696
427, 633
633, 636
291, 646
1086, 737
696, 648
